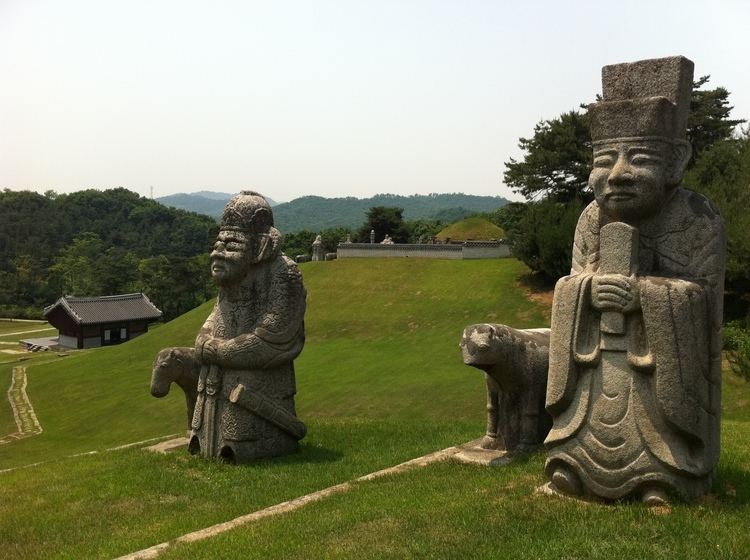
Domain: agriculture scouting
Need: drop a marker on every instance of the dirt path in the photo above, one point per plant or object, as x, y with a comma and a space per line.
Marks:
26, 420
25, 332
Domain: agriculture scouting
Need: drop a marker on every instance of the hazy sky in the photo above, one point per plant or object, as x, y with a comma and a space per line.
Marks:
335, 98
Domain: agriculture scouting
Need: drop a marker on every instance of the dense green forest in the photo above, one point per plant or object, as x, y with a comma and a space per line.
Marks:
316, 213
105, 242
100, 242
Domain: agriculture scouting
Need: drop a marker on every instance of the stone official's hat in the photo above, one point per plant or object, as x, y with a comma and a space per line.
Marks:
648, 98
248, 212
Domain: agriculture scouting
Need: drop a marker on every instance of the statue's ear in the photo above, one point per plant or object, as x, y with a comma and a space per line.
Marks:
262, 220
679, 158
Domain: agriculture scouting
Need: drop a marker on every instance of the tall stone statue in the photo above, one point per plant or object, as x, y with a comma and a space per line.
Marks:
244, 396
634, 383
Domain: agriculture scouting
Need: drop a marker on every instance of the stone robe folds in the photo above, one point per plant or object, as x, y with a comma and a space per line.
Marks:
650, 414
262, 325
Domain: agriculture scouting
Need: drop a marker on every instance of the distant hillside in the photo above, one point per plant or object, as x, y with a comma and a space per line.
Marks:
203, 202
476, 229
315, 213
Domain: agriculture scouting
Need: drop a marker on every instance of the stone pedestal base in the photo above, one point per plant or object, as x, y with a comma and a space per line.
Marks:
472, 454
169, 445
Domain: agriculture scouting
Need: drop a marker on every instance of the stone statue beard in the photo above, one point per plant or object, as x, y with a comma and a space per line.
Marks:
229, 271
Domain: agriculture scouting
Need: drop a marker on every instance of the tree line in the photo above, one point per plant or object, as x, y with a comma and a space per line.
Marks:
553, 177
93, 242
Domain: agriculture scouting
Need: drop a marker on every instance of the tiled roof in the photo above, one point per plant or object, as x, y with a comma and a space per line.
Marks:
106, 309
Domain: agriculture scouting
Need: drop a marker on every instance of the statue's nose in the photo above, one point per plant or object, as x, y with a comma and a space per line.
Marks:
621, 173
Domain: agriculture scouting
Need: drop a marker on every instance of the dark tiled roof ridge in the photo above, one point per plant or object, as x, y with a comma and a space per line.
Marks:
134, 295
104, 309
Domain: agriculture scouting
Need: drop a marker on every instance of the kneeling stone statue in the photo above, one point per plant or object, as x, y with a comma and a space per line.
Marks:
243, 393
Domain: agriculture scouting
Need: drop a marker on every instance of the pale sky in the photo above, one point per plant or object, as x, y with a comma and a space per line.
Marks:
325, 97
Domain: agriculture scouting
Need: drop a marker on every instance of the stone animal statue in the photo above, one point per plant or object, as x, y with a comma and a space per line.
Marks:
176, 365
515, 365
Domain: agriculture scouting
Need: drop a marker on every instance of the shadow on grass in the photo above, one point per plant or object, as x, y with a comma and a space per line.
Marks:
537, 282
308, 453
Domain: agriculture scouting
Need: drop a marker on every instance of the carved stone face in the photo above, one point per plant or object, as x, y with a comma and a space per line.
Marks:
629, 178
230, 258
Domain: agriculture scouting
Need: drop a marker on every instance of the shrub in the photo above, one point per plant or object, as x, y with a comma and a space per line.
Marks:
737, 347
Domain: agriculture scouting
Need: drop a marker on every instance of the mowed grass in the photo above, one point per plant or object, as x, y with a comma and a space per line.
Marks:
380, 381
449, 510
13, 331
9, 326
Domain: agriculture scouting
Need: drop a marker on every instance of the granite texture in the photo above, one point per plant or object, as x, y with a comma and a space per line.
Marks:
244, 353
515, 366
634, 383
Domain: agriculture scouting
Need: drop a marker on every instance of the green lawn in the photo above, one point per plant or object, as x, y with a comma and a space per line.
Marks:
450, 510
13, 331
380, 381
7, 326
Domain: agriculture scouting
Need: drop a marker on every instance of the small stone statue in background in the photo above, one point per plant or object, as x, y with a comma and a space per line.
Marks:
634, 386
317, 249
244, 394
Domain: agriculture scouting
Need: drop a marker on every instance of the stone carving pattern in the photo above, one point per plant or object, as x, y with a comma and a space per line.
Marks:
635, 353
515, 366
245, 383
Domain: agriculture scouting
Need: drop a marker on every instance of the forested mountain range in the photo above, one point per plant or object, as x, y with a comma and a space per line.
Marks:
316, 213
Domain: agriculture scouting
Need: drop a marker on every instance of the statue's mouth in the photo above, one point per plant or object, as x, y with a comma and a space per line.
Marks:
619, 196
218, 266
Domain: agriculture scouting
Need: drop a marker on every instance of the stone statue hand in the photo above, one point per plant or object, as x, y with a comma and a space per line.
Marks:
210, 351
615, 292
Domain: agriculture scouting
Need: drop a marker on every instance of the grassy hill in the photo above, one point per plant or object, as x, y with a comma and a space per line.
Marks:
380, 381
474, 228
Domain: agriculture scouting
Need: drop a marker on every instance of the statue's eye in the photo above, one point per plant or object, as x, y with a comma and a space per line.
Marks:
642, 159
604, 161
232, 246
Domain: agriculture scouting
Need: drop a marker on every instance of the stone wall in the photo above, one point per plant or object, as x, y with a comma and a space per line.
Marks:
469, 250
486, 250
